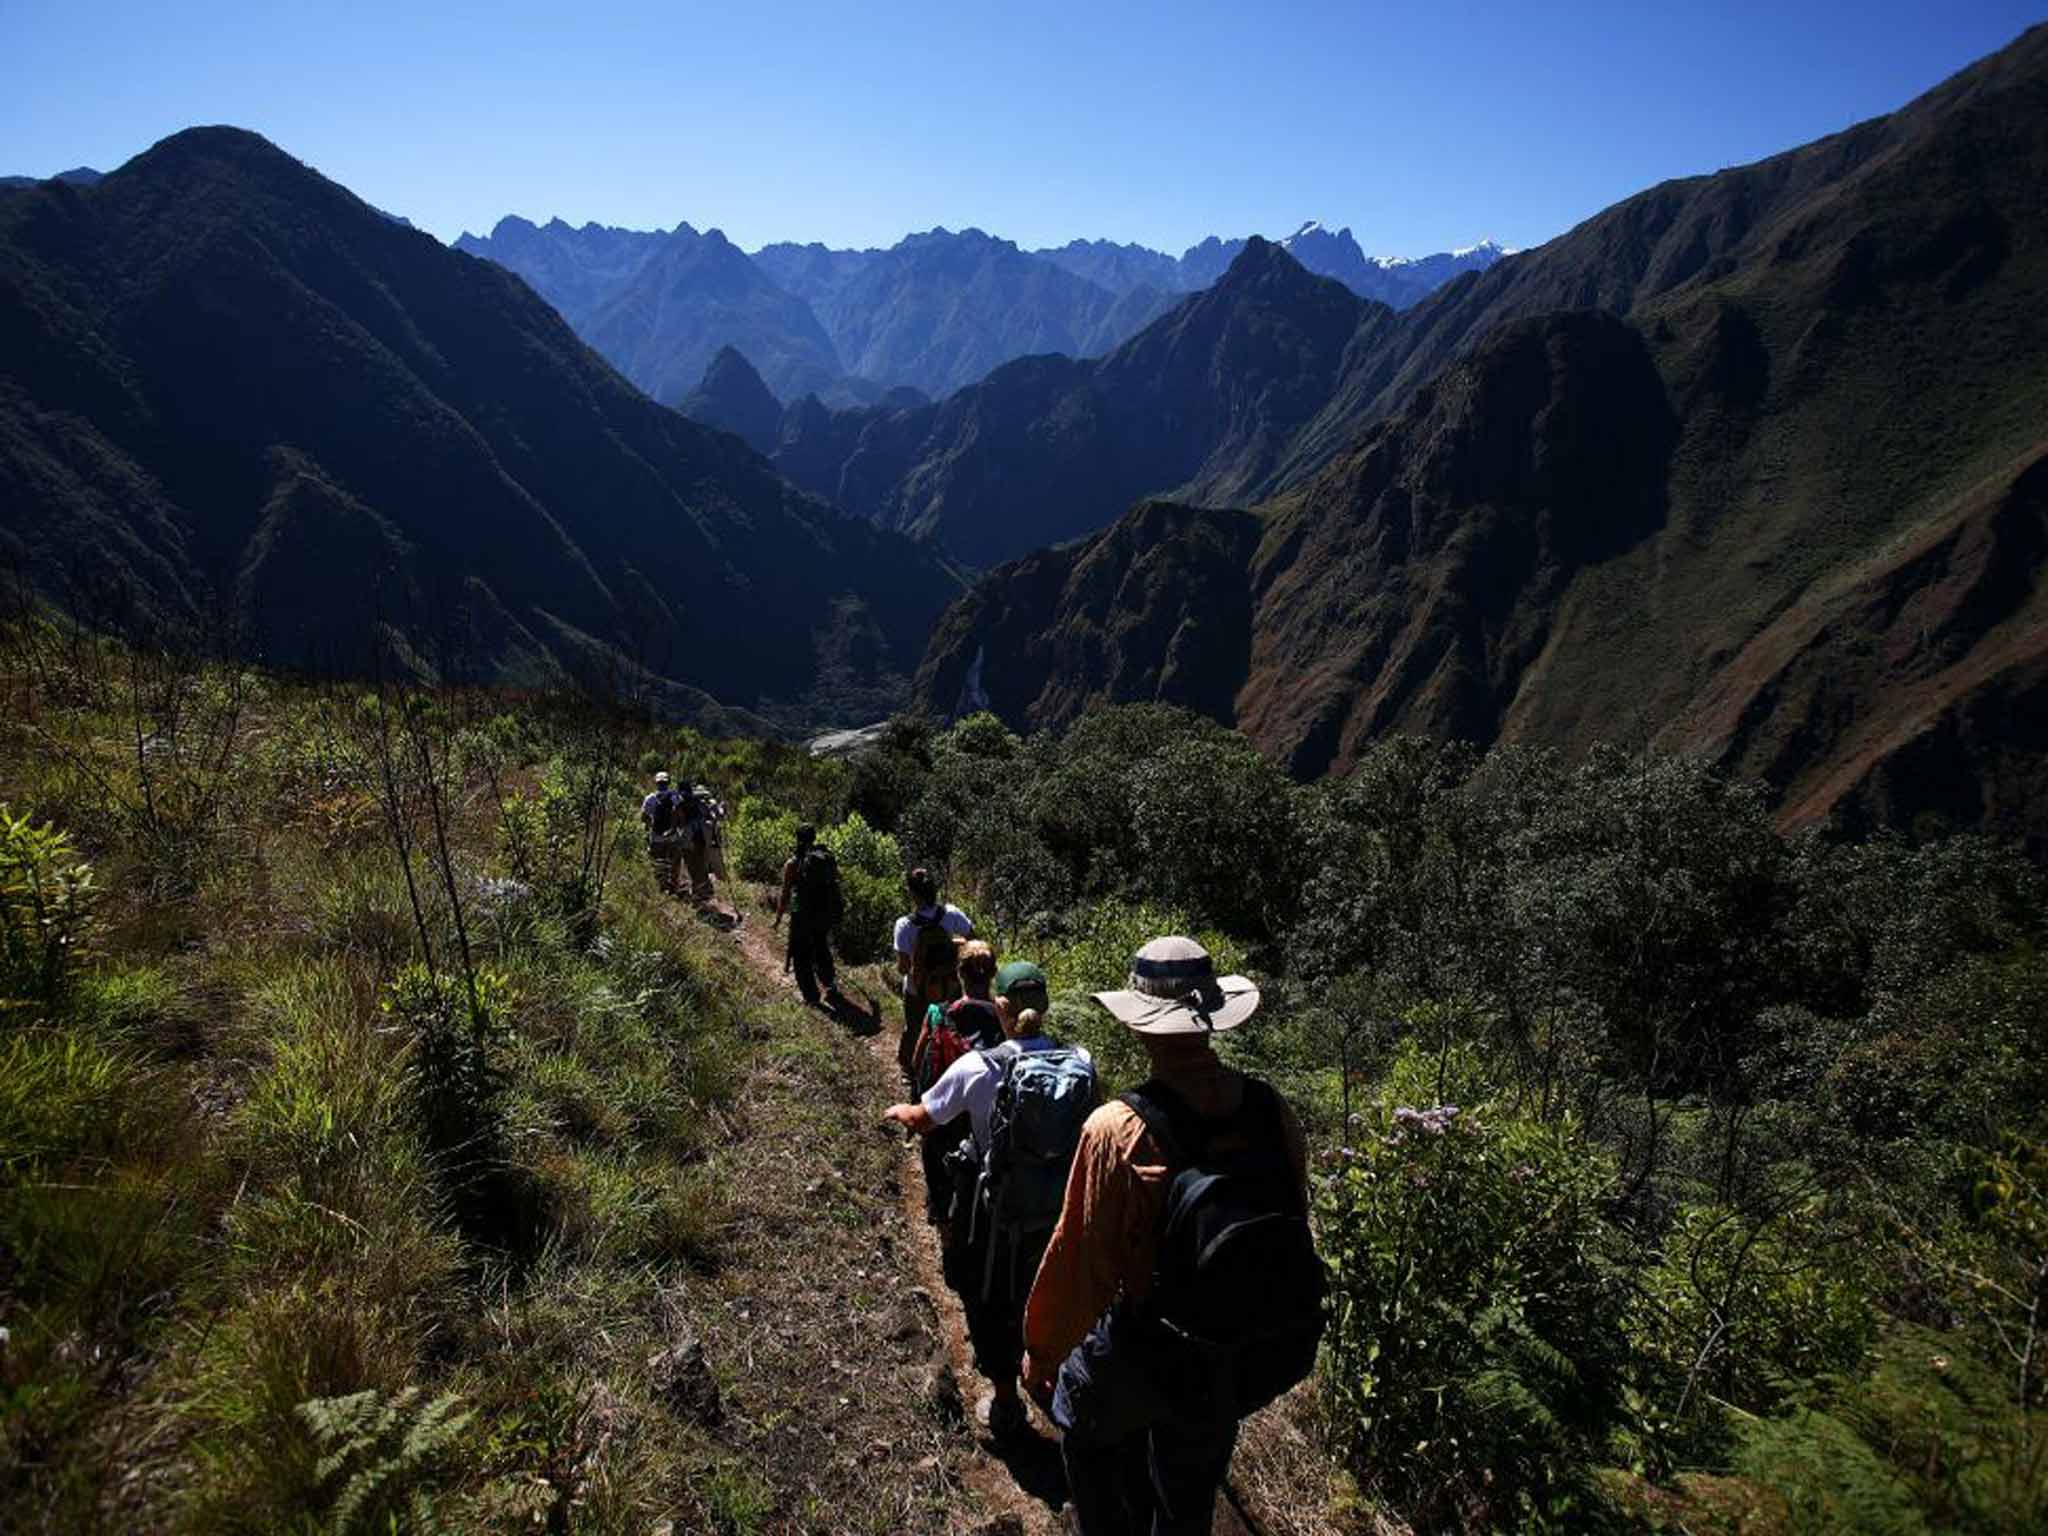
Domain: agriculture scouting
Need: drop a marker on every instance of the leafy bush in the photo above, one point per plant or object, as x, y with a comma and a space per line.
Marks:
758, 837
873, 903
858, 846
888, 779
1475, 1346
1212, 831
46, 900
1739, 1309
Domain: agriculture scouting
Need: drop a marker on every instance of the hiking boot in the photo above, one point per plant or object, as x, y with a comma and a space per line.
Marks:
1002, 1417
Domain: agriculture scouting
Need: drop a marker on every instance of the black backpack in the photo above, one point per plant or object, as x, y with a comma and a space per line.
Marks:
818, 899
665, 804
1235, 1312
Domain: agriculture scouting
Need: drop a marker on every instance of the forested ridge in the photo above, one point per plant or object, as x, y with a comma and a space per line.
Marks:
380, 1152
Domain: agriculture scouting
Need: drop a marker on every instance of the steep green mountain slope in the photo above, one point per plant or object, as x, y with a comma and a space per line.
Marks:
1791, 513
226, 380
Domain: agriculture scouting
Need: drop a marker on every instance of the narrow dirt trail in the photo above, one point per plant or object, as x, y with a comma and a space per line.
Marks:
1026, 1487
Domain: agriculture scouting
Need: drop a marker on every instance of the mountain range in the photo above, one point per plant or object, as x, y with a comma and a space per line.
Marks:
231, 390
1751, 466
1203, 403
935, 312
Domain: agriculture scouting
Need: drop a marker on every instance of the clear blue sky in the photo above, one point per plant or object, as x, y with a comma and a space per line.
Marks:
1422, 125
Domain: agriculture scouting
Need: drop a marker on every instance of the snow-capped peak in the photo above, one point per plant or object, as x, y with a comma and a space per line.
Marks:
1312, 227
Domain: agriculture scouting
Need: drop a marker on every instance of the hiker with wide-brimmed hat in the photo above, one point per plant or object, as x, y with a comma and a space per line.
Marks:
1025, 1100
1180, 1290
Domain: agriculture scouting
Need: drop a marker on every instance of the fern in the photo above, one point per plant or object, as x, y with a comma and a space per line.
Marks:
384, 1453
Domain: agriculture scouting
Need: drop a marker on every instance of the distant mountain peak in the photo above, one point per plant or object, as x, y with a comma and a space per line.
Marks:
1258, 257
734, 398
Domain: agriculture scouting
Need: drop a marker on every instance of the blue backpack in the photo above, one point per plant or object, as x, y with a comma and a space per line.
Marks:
1042, 1102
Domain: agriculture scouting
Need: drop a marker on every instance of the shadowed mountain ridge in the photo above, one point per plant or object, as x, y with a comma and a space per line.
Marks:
229, 380
1787, 512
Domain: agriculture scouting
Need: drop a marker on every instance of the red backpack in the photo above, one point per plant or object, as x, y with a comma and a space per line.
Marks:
950, 1032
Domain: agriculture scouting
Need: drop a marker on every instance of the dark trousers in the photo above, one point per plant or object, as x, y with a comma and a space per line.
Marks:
810, 956
993, 1298
940, 1178
1138, 1463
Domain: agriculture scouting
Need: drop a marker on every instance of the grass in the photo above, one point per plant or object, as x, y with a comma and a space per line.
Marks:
220, 1208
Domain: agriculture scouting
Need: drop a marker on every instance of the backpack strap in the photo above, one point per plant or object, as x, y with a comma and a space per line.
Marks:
1182, 1134
1169, 1120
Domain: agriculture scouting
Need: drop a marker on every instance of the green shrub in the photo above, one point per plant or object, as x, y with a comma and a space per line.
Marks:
873, 903
1474, 1353
758, 838
1741, 1312
858, 846
46, 900
1212, 831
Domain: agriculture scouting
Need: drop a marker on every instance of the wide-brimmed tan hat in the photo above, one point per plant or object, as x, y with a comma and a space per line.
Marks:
1175, 990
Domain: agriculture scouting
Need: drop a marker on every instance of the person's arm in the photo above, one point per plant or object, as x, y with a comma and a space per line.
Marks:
944, 1102
902, 951
912, 1116
788, 881
1083, 1267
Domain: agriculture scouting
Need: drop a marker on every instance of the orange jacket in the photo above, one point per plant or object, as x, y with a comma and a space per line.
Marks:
1108, 1231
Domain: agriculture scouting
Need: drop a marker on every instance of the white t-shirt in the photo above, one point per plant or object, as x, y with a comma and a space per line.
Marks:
969, 1086
953, 920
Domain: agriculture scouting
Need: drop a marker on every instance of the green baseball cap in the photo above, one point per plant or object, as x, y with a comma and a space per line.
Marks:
1019, 975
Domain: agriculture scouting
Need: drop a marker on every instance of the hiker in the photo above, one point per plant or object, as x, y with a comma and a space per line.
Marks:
661, 812
1025, 1102
1180, 1291
813, 902
971, 1022
927, 955
698, 812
